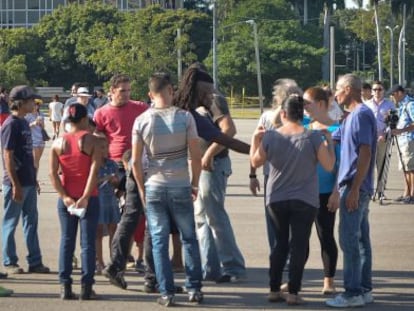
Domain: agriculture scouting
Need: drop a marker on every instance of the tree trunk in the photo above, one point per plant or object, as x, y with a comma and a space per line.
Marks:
379, 50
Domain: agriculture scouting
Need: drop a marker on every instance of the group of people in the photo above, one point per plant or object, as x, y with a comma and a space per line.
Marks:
173, 156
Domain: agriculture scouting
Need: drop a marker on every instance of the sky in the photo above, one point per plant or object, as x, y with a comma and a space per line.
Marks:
350, 3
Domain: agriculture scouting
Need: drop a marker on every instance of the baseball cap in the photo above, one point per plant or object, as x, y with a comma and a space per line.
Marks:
22, 92
83, 91
397, 88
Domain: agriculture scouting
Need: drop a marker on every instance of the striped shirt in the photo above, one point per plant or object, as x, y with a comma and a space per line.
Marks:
165, 134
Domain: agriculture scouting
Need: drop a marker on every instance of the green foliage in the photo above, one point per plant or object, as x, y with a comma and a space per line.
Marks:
63, 32
146, 42
21, 56
286, 48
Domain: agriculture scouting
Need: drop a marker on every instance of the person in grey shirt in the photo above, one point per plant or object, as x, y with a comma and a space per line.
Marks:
292, 194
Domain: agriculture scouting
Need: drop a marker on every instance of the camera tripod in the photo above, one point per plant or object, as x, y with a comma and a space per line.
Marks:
382, 177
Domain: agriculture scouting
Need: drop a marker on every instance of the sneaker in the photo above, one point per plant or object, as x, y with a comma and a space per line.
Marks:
130, 262
407, 200
40, 268
116, 278
3, 275
402, 198
342, 301
368, 298
225, 278
13, 269
294, 300
196, 296
139, 266
276, 297
4, 292
166, 300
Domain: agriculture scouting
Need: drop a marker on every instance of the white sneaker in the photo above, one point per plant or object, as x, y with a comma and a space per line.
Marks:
368, 298
341, 301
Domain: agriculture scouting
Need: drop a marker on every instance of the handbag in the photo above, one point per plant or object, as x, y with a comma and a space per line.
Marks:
45, 135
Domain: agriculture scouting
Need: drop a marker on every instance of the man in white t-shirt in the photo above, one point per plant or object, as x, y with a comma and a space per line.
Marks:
55, 115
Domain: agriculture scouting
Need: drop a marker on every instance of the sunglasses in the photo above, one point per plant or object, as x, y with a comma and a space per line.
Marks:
379, 90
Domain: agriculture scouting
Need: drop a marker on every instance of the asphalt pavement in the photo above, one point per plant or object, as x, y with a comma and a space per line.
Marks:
392, 234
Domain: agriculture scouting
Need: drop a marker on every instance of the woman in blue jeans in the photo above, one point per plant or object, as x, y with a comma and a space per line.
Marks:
292, 195
77, 155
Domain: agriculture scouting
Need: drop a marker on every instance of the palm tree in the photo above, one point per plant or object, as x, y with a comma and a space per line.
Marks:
374, 3
402, 7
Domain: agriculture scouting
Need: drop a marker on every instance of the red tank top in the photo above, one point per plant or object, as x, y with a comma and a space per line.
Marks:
75, 166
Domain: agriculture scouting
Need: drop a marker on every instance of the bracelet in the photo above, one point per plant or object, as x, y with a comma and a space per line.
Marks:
194, 188
252, 176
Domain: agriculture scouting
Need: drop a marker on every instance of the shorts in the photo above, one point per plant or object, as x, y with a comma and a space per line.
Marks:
407, 156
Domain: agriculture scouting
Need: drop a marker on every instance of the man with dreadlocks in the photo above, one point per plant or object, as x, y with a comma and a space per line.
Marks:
221, 258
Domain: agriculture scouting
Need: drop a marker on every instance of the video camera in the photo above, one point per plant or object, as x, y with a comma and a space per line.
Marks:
392, 119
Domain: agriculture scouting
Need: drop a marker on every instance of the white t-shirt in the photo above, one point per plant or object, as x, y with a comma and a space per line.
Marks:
56, 111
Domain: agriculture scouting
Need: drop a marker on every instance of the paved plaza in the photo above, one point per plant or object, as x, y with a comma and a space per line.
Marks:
392, 233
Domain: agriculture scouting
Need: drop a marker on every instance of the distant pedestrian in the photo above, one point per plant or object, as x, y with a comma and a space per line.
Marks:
4, 105
55, 115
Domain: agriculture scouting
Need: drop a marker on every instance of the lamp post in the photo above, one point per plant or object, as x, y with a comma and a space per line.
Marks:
391, 52
259, 73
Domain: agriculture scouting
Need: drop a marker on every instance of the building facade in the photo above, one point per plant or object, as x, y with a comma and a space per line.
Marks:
26, 13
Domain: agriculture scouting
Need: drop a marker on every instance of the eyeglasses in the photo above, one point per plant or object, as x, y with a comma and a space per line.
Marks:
379, 90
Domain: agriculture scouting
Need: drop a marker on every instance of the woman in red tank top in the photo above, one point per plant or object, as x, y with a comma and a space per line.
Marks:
77, 157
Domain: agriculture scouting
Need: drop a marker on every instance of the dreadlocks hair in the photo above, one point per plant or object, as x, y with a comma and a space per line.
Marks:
187, 93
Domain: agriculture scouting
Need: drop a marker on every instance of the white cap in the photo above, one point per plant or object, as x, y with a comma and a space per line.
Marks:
83, 91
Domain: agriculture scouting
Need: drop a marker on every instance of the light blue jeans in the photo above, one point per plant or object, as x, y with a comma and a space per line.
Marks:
218, 246
355, 243
12, 212
163, 205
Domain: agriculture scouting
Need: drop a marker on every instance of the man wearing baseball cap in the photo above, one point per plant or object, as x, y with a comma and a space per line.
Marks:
405, 132
19, 183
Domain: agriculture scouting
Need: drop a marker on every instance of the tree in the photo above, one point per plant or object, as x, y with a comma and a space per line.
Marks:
286, 48
146, 42
21, 57
374, 3
64, 31
402, 8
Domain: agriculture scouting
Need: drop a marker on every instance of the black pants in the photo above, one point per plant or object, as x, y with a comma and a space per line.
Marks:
126, 227
295, 218
325, 222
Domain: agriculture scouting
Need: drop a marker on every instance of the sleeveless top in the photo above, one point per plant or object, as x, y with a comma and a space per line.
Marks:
75, 166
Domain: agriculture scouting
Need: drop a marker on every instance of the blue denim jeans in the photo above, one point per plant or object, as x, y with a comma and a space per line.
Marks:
218, 245
355, 244
69, 228
12, 212
164, 204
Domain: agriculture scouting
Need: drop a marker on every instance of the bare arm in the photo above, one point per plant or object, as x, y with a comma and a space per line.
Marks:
137, 171
54, 173
227, 127
232, 143
326, 153
257, 153
195, 155
94, 148
363, 162
11, 172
